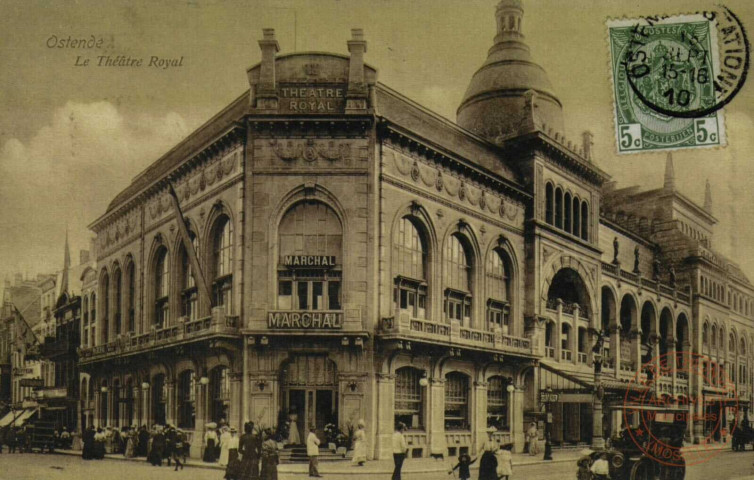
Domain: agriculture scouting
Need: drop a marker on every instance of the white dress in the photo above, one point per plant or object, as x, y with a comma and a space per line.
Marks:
360, 446
224, 448
293, 437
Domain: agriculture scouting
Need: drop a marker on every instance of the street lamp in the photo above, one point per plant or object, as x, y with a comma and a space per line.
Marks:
548, 426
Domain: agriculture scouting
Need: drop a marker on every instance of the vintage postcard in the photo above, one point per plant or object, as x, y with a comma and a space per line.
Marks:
262, 240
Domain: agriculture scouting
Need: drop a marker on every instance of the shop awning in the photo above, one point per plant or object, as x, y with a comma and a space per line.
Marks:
24, 417
560, 381
8, 418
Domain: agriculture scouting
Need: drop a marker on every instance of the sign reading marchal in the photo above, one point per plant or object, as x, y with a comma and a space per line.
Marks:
305, 320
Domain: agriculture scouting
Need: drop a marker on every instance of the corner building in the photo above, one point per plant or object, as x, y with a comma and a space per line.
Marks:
337, 251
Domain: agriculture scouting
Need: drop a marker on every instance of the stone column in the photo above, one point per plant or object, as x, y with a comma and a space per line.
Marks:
479, 420
97, 408
636, 349
385, 417
144, 413
437, 442
615, 354
234, 414
598, 441
517, 417
200, 416
170, 403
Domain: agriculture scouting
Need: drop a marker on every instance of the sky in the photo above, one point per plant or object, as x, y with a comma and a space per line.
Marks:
73, 135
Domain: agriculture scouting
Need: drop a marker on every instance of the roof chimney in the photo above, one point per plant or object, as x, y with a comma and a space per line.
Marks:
587, 141
669, 173
356, 96
266, 94
708, 197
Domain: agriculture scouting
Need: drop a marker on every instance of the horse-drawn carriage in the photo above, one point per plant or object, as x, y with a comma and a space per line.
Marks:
741, 434
651, 449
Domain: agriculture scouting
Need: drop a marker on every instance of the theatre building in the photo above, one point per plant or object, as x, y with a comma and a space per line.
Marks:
325, 246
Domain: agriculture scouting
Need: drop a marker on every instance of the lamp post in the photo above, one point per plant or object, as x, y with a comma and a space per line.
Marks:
549, 397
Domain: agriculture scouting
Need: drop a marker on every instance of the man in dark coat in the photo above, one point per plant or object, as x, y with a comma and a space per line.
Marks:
158, 448
87, 452
143, 442
169, 444
11, 439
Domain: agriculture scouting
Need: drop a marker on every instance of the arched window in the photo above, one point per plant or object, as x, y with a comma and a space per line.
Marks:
219, 388
498, 290
410, 268
456, 401
565, 342
558, 208
458, 266
159, 394
721, 340
117, 302
583, 345
409, 397
115, 420
222, 264
713, 337
567, 212
105, 295
584, 221
497, 403
742, 347
549, 204
550, 339
732, 344
705, 334
310, 264
186, 399
188, 288
128, 404
161, 287
131, 296
85, 323
576, 216
93, 331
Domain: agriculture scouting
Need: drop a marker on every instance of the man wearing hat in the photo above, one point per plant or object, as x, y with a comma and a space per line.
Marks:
179, 439
312, 450
400, 447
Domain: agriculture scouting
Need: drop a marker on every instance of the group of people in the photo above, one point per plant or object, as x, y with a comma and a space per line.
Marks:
158, 444
253, 456
18, 439
495, 460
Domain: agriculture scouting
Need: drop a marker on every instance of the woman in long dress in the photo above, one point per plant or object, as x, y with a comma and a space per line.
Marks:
488, 462
99, 444
360, 445
130, 444
224, 447
293, 436
532, 438
233, 471
270, 458
248, 447
210, 442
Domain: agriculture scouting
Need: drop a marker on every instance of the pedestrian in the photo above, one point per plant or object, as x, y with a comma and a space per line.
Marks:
210, 442
248, 448
312, 450
270, 457
464, 462
504, 462
131, 440
87, 452
178, 444
65, 439
142, 442
532, 439
12, 439
3, 432
169, 444
600, 468
234, 464
360, 444
21, 439
99, 444
158, 447
400, 447
293, 435
224, 451
487, 460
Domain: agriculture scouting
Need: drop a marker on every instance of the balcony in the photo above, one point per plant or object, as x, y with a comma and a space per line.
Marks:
182, 332
408, 328
565, 355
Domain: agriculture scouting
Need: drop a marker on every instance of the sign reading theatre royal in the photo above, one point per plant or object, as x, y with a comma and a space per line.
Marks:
326, 98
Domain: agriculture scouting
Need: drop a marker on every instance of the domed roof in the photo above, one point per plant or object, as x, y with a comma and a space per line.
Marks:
510, 94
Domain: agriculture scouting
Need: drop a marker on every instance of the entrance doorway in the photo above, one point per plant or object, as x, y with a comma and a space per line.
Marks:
310, 395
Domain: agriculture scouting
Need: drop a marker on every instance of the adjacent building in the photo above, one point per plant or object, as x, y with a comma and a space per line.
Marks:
325, 246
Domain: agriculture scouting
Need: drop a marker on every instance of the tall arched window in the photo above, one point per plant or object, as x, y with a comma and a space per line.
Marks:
410, 268
93, 331
188, 288
549, 204
186, 399
161, 287
558, 208
584, 221
222, 264
409, 397
219, 387
159, 394
456, 401
713, 337
576, 216
498, 291
705, 335
732, 344
310, 263
497, 403
117, 302
567, 211
131, 296
104, 298
85, 323
565, 342
458, 267
550, 339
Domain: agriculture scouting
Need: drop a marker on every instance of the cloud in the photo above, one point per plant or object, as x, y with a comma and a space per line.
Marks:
65, 175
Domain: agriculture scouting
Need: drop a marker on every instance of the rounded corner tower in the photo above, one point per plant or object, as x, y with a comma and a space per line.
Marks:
510, 94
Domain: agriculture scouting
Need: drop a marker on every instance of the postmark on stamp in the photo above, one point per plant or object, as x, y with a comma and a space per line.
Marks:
669, 83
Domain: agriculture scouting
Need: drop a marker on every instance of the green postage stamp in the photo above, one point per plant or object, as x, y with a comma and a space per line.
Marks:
665, 83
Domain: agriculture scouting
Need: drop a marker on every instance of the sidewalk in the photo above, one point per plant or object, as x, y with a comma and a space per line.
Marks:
385, 466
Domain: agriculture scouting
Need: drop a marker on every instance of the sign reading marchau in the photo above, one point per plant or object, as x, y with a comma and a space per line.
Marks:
305, 320
309, 260
320, 98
